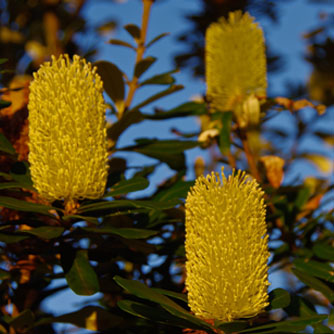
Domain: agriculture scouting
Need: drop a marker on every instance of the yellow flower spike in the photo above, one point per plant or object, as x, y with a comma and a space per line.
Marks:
235, 65
226, 248
67, 130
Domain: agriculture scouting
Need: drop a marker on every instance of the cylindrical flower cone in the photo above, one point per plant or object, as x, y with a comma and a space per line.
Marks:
235, 63
226, 248
67, 130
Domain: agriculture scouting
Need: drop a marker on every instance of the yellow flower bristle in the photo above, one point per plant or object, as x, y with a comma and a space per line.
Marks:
226, 248
235, 65
67, 130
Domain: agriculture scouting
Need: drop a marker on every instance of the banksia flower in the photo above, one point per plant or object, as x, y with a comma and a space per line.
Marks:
226, 248
67, 130
236, 66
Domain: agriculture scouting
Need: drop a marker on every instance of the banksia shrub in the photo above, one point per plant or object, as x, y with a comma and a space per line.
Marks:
236, 66
226, 248
67, 130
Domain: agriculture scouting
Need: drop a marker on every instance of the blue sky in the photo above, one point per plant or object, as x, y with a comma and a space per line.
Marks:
297, 17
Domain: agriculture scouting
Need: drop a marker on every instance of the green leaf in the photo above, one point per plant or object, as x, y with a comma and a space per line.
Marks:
172, 89
93, 220
231, 327
6, 176
142, 66
331, 317
119, 42
160, 79
9, 185
324, 251
314, 268
184, 110
45, 232
90, 317
11, 239
112, 78
81, 277
6, 146
224, 135
127, 233
4, 274
278, 298
128, 186
4, 104
315, 284
133, 30
319, 328
106, 27
152, 313
102, 205
289, 326
3, 60
176, 295
23, 321
302, 197
178, 190
121, 125
168, 151
19, 205
299, 307
142, 291
157, 38
20, 173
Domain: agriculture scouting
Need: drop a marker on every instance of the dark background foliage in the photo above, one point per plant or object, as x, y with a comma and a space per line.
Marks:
132, 250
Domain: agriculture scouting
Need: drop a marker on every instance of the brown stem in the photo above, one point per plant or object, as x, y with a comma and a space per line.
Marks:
133, 85
249, 156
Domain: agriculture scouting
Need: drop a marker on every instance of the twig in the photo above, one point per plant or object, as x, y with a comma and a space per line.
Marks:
133, 85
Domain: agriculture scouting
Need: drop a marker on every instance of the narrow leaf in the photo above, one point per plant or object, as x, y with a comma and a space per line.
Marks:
142, 291
81, 277
4, 104
168, 151
157, 38
160, 79
121, 125
121, 43
179, 190
11, 239
153, 313
20, 173
289, 326
127, 233
184, 110
9, 185
112, 78
128, 186
45, 232
133, 30
315, 284
23, 321
314, 268
4, 274
279, 298
155, 205
324, 251
19, 205
6, 146
143, 66
176, 295
172, 89
231, 327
